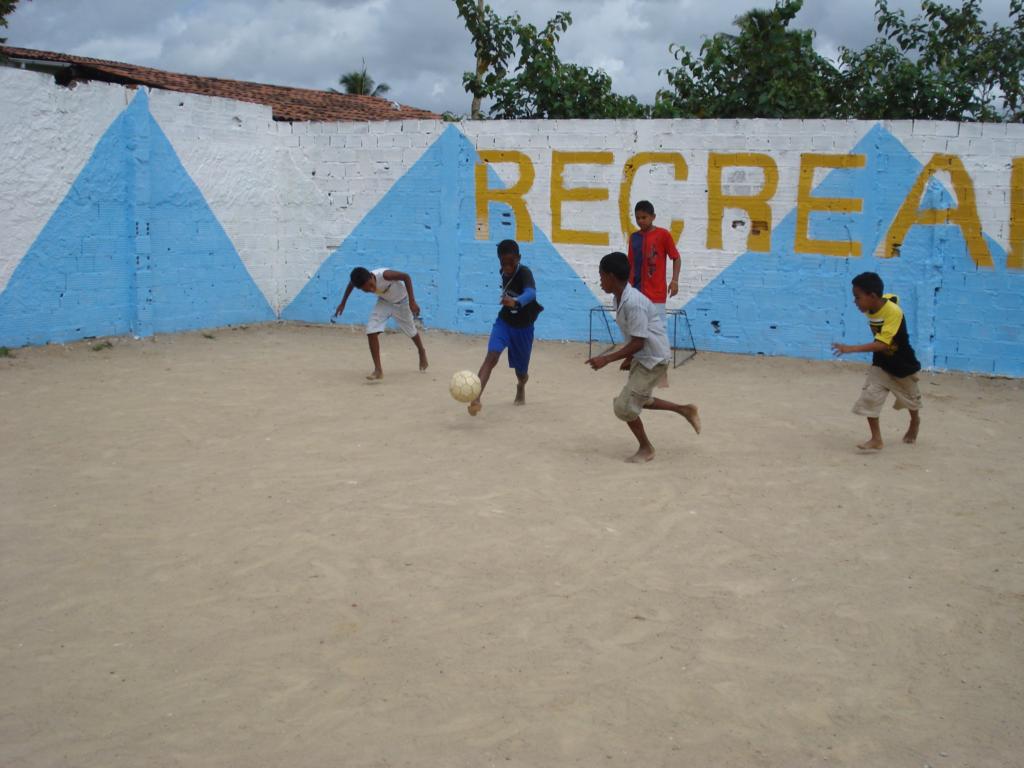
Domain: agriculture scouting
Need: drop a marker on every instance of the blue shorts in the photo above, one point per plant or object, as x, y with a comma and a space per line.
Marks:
518, 341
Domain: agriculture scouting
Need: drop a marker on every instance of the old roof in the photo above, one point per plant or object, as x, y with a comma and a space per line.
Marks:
294, 104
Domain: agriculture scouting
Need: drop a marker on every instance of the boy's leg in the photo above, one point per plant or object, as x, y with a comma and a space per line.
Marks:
915, 424
519, 350
646, 451
907, 394
403, 316
629, 404
422, 350
869, 405
490, 360
688, 412
496, 344
374, 327
875, 443
374, 341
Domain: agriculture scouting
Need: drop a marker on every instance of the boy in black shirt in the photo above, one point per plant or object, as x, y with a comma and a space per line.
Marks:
513, 329
893, 363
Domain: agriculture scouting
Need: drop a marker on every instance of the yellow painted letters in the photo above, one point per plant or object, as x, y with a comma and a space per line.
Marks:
965, 215
512, 197
560, 195
760, 236
626, 188
806, 204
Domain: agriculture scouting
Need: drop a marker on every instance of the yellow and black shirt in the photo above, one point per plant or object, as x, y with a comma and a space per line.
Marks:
890, 327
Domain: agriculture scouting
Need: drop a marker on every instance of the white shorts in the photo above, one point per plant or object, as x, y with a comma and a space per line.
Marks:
383, 310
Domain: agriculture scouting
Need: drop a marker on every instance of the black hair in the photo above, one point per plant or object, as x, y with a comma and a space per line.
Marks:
508, 248
869, 282
645, 206
616, 264
359, 276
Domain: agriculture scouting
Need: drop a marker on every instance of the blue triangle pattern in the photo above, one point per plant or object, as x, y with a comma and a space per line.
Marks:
785, 303
426, 225
133, 247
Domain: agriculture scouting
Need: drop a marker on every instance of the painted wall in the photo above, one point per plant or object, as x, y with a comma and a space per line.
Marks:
143, 212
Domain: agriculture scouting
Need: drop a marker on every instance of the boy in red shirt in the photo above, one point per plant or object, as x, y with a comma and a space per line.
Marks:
649, 249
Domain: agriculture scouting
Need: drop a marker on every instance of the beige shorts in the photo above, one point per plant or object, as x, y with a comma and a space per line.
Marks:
878, 384
637, 392
384, 311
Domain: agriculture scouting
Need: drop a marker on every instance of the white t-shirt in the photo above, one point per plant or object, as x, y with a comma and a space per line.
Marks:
639, 318
391, 291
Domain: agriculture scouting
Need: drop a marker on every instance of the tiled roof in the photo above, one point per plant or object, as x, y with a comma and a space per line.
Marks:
294, 104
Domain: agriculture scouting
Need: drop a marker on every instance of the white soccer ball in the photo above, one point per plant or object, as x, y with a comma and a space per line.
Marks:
465, 386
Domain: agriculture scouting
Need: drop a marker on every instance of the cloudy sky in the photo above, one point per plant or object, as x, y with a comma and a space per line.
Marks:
419, 47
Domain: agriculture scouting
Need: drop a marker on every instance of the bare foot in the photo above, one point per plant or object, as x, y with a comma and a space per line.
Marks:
423, 361
689, 412
642, 455
871, 445
474, 407
521, 391
911, 437
376, 375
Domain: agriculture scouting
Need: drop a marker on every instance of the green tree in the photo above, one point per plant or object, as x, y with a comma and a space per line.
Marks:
359, 83
519, 68
944, 64
766, 70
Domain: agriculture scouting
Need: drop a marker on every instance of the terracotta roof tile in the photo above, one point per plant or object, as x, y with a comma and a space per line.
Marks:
292, 104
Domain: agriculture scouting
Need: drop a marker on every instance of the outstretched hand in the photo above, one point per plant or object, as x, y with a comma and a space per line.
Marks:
339, 310
597, 363
839, 350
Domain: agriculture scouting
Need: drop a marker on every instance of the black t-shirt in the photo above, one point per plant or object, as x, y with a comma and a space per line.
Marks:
513, 286
890, 327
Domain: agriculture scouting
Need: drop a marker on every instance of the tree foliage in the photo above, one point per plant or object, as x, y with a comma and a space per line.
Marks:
519, 69
359, 83
945, 64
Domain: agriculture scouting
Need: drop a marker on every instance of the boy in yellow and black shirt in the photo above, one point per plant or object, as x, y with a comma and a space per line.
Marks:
893, 363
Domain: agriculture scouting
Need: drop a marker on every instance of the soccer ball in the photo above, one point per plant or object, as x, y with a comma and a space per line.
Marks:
465, 386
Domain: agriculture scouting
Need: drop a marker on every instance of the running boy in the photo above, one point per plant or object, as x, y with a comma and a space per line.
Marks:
893, 363
394, 299
649, 249
646, 347
513, 329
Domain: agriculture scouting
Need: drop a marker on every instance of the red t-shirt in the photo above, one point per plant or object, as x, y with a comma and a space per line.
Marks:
648, 256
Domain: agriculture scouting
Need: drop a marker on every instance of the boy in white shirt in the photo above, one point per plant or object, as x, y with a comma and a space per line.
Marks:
395, 299
646, 352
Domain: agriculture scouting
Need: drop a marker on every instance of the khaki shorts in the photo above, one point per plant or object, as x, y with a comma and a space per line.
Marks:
878, 384
637, 392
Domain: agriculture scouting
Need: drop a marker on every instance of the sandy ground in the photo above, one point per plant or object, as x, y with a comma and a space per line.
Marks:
232, 551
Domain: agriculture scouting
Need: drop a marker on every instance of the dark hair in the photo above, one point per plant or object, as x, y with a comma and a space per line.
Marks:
359, 276
869, 282
645, 206
616, 264
508, 248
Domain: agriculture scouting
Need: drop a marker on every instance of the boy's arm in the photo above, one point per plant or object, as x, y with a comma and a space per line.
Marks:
673, 254
344, 299
845, 349
634, 345
391, 274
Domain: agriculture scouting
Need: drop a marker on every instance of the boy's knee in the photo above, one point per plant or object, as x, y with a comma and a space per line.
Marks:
626, 406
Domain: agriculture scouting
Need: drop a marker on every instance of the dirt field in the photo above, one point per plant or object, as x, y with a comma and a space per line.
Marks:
232, 551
